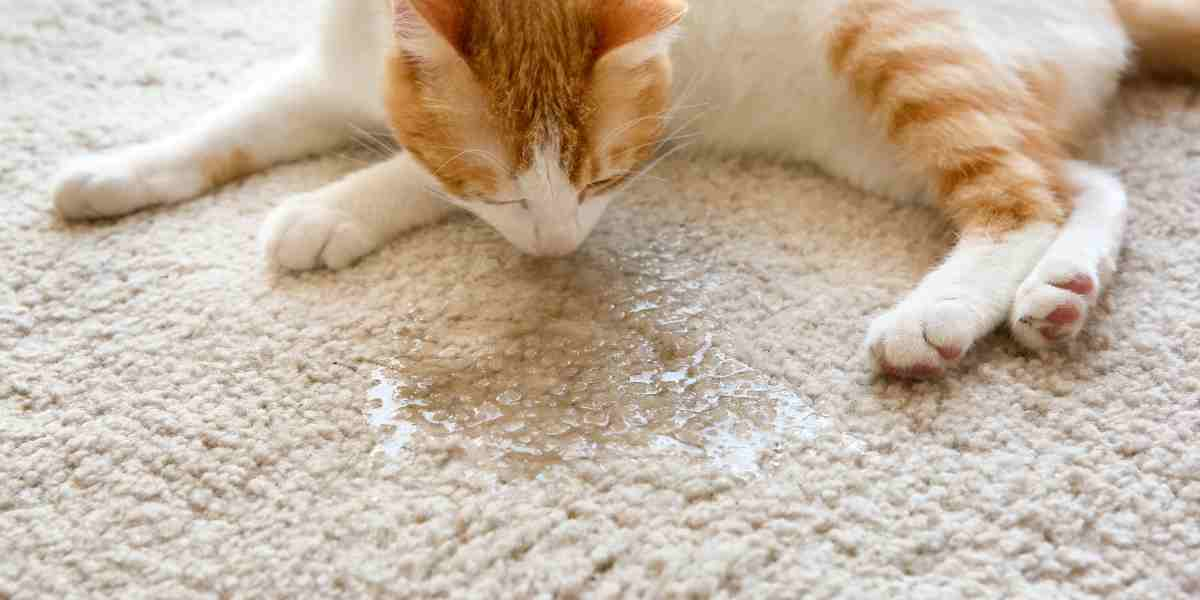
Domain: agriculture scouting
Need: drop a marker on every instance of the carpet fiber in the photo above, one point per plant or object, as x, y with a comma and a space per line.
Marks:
682, 410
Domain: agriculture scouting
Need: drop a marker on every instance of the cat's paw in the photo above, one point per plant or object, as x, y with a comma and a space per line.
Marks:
922, 339
1052, 306
304, 235
96, 189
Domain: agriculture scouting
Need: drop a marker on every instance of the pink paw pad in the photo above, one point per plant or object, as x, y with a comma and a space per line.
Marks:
1051, 310
1064, 315
1080, 284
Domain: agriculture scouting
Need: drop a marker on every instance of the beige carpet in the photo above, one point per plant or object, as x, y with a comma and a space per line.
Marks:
680, 411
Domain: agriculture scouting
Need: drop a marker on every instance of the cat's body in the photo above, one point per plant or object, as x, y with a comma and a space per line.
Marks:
807, 112
531, 114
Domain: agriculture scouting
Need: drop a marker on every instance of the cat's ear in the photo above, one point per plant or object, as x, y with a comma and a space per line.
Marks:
446, 18
622, 23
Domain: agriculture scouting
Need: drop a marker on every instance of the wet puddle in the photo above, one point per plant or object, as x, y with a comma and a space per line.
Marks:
617, 358
708, 408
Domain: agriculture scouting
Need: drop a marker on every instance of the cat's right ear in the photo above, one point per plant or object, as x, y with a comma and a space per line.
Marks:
639, 28
414, 20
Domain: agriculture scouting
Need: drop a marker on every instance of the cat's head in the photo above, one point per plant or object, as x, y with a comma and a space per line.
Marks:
531, 113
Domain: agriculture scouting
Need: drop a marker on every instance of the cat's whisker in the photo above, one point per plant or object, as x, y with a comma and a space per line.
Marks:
371, 150
643, 175
360, 139
440, 194
349, 156
546, 171
382, 135
666, 116
645, 170
659, 144
675, 138
490, 157
681, 98
676, 133
630, 125
675, 108
376, 143
442, 167
688, 91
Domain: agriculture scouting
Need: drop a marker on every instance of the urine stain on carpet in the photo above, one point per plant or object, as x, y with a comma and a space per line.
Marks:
725, 416
625, 363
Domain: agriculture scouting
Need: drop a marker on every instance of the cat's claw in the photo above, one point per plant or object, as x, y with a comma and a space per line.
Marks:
302, 235
1052, 310
921, 340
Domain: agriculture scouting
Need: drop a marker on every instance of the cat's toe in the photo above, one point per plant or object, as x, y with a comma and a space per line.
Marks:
303, 237
1053, 312
94, 191
921, 340
71, 197
1079, 283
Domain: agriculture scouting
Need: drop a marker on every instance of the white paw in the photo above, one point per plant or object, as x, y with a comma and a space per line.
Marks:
94, 189
1052, 305
303, 235
922, 339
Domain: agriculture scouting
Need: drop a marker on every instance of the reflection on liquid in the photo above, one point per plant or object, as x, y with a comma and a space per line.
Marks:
730, 421
555, 398
606, 354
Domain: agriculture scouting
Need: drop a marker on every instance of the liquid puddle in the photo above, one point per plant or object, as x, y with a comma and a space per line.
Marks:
715, 411
616, 359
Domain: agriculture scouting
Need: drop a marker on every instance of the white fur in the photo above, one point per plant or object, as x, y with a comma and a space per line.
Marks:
340, 223
751, 76
540, 213
1087, 247
314, 105
959, 302
553, 205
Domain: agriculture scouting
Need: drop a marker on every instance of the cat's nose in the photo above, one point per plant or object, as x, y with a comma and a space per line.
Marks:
559, 241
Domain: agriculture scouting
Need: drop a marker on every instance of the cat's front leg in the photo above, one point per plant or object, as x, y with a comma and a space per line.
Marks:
958, 303
986, 138
336, 225
284, 119
1053, 303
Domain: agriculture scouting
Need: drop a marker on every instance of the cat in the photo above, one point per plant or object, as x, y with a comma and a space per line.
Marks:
535, 114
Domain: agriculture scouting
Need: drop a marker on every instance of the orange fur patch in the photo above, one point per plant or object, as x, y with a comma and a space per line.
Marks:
990, 146
982, 163
620, 22
1048, 137
643, 103
910, 114
1167, 34
220, 170
853, 24
872, 75
447, 18
433, 130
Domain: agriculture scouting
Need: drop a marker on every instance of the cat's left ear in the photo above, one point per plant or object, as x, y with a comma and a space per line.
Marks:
446, 19
639, 28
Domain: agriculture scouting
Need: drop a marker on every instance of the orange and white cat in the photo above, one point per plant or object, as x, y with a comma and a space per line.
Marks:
533, 114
